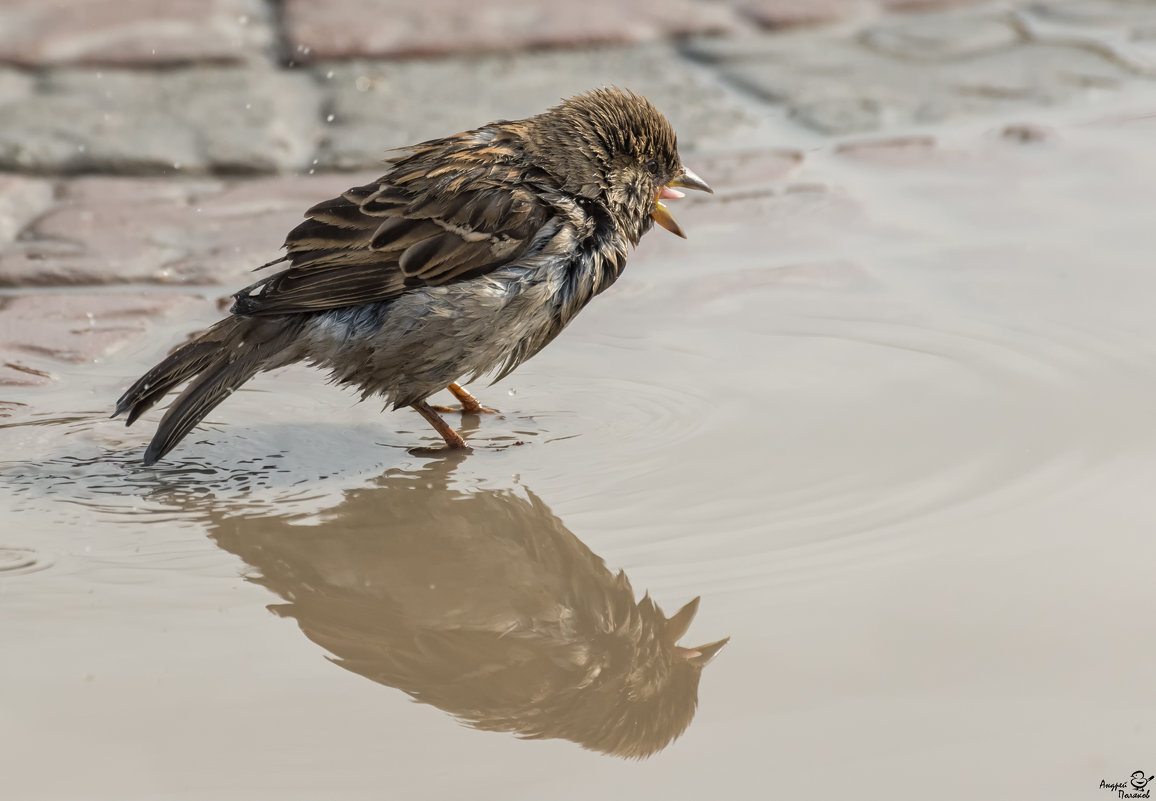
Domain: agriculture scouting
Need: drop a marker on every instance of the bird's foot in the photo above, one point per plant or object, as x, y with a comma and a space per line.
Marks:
470, 404
465, 409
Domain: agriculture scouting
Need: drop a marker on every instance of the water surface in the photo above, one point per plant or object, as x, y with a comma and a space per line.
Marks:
891, 417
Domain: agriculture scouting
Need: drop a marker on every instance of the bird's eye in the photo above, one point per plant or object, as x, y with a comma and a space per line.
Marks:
652, 167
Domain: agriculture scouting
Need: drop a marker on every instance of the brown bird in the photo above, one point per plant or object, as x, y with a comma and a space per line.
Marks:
465, 259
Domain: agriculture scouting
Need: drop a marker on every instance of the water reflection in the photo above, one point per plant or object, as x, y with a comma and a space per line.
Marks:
480, 603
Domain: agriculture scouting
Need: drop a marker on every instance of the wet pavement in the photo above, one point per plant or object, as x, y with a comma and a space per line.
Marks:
887, 411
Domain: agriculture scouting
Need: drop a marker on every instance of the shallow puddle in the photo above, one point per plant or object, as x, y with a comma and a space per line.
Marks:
892, 420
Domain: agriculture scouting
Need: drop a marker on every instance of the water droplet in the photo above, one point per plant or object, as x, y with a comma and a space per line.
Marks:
329, 74
330, 117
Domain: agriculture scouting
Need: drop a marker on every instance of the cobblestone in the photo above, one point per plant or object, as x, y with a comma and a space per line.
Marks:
14, 86
388, 28
378, 105
779, 14
930, 39
792, 13
36, 33
22, 199
38, 333
737, 98
124, 230
731, 89
203, 119
975, 61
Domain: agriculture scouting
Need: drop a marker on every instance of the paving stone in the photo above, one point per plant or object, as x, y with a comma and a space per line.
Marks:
744, 170
833, 83
941, 37
372, 28
12, 408
205, 119
778, 14
841, 115
1092, 13
134, 230
792, 13
375, 106
930, 5
134, 32
901, 151
14, 85
15, 373
22, 199
1028, 133
38, 332
1121, 32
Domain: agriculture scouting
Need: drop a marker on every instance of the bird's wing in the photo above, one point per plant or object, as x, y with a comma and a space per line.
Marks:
451, 209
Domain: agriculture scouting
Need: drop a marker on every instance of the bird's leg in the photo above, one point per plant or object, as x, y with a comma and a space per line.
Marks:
453, 439
470, 404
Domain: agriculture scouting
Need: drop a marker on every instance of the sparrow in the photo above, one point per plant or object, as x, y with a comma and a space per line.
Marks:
481, 603
465, 259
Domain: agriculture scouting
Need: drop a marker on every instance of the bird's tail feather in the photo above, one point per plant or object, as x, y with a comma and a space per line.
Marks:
186, 361
219, 361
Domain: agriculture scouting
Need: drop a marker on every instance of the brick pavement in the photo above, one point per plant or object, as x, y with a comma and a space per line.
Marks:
152, 143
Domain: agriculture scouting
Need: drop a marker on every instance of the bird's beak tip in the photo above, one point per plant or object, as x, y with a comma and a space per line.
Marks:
663, 217
687, 179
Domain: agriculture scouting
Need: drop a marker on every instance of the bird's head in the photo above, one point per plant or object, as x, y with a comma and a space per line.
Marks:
615, 147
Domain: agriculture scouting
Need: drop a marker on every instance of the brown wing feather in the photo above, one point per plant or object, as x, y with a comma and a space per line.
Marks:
453, 208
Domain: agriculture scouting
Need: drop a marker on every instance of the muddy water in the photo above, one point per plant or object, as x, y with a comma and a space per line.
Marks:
891, 418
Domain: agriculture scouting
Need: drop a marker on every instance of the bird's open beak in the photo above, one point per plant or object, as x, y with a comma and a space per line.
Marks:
685, 180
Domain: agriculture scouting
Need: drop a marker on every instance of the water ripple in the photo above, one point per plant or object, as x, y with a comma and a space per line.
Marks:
16, 561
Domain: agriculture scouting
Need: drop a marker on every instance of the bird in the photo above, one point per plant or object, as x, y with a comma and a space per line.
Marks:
467, 257
478, 601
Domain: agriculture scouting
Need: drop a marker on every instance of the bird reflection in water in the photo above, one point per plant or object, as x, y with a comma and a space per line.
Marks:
484, 605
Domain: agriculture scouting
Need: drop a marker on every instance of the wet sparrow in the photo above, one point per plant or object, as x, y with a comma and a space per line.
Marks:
466, 258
